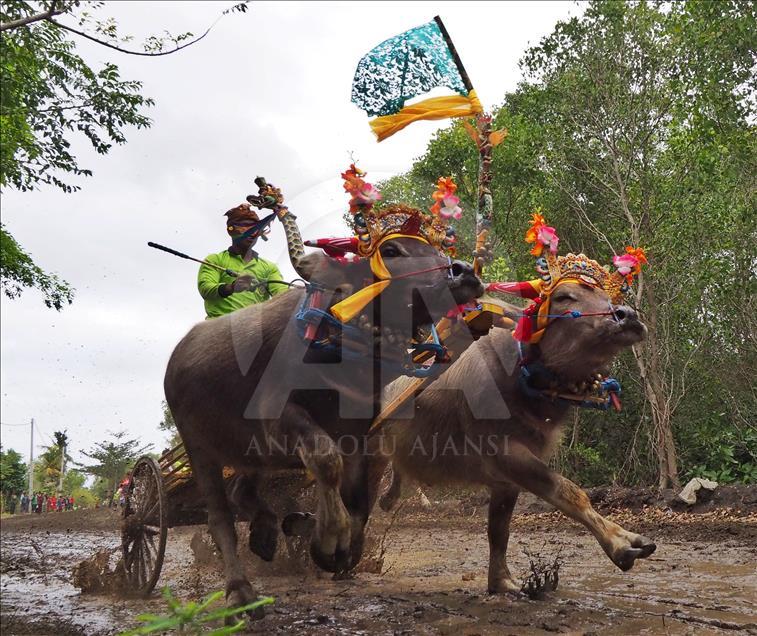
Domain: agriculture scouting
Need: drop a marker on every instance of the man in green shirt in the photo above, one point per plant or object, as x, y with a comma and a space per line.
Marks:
223, 293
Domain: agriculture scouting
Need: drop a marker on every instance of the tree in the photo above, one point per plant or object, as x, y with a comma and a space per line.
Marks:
635, 126
50, 94
647, 133
47, 468
61, 441
72, 482
113, 459
13, 474
18, 270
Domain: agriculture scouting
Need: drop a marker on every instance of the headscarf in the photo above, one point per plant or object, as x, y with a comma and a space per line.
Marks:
240, 219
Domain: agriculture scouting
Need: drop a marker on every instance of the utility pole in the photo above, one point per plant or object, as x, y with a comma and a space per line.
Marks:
31, 460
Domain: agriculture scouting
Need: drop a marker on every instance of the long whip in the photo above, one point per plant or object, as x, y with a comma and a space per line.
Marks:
163, 248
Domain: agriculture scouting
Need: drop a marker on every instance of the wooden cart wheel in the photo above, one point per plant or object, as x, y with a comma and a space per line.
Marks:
145, 526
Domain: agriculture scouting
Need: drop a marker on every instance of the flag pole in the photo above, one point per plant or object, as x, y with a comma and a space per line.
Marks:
483, 126
455, 56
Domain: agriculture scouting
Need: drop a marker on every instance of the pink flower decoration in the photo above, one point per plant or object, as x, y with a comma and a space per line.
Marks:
451, 208
368, 194
547, 236
625, 263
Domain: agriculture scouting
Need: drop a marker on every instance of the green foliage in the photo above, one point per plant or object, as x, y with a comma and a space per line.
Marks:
73, 481
101, 491
725, 455
83, 498
13, 473
585, 464
47, 469
50, 92
194, 618
18, 271
635, 126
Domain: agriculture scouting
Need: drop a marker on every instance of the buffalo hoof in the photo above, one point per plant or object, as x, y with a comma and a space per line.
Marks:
338, 562
263, 539
502, 585
640, 548
241, 595
298, 524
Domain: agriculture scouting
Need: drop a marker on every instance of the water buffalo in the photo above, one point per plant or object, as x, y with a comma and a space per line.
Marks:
443, 442
249, 392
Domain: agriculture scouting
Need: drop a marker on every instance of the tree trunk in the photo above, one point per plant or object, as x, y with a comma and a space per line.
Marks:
648, 361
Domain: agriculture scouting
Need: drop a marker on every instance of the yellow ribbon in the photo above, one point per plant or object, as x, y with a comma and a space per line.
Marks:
351, 306
432, 108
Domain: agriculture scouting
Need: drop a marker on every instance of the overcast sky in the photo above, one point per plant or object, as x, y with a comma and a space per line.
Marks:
266, 93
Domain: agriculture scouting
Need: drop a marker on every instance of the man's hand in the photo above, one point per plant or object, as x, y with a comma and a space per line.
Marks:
239, 284
242, 283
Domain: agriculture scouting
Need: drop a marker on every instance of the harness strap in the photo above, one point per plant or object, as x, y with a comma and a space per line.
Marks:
606, 396
350, 340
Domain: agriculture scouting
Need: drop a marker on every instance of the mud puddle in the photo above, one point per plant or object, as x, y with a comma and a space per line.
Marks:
37, 591
701, 580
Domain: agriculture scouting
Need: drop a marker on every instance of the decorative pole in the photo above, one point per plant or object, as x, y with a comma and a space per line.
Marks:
485, 140
485, 203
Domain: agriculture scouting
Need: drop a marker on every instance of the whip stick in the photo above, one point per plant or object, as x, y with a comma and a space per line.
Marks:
163, 248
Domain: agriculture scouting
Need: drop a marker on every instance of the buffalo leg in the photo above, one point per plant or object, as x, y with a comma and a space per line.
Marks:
330, 542
501, 504
244, 494
524, 469
209, 478
359, 493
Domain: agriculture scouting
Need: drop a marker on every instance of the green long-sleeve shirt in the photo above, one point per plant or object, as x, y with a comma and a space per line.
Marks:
209, 280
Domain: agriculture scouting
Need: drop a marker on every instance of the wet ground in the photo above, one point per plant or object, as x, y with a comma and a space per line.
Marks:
432, 580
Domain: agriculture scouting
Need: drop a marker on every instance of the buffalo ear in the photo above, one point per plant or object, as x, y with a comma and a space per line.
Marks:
311, 265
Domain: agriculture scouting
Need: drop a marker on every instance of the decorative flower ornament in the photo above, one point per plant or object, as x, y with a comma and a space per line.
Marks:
364, 194
371, 226
625, 263
629, 264
541, 235
446, 203
554, 270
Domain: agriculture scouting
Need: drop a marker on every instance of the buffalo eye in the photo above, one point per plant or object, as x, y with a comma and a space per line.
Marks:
565, 296
389, 251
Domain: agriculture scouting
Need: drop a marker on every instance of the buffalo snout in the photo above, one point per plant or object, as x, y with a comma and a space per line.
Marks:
628, 320
463, 276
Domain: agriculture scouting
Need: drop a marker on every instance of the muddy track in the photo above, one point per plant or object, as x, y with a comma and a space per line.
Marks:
702, 579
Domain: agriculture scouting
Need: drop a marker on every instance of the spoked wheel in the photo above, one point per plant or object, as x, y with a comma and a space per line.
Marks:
145, 527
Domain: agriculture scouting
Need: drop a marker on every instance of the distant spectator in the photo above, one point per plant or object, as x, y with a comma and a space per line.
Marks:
12, 501
40, 502
24, 503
